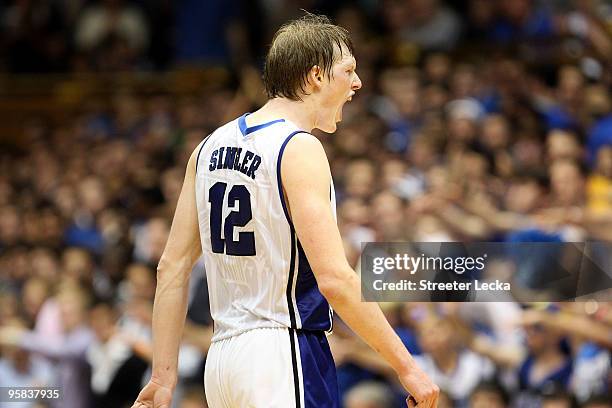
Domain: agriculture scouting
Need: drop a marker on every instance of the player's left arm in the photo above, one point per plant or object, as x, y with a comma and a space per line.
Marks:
170, 307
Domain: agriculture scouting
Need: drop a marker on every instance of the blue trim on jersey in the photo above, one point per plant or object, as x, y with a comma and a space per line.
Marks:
294, 366
245, 130
313, 308
263, 125
200, 151
318, 371
278, 177
292, 261
289, 292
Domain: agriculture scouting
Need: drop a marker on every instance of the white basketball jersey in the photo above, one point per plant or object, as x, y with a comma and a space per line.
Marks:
258, 275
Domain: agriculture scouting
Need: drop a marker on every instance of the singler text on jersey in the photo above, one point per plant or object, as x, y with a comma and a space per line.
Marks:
234, 158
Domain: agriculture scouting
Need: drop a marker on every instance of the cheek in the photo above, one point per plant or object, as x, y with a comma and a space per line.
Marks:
342, 81
348, 80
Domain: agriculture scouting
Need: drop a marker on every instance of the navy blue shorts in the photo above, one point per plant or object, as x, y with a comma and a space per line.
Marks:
314, 370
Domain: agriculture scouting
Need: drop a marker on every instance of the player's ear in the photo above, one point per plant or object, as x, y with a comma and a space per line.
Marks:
315, 76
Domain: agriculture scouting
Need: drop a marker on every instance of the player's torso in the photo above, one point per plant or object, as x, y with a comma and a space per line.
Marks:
257, 273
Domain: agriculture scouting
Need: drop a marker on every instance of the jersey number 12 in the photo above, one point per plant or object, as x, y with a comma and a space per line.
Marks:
245, 245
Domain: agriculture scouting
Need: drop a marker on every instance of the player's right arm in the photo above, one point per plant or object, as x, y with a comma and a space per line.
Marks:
170, 307
306, 180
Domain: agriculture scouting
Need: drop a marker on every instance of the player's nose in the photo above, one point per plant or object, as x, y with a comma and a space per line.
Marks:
356, 83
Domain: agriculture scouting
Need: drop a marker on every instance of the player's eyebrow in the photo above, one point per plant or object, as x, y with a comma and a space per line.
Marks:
352, 63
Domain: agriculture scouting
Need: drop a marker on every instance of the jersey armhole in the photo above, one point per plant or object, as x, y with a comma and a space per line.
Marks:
278, 175
202, 143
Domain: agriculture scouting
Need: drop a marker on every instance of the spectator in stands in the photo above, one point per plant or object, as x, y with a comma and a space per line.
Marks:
20, 368
558, 399
35, 293
370, 395
599, 183
599, 107
34, 34
602, 401
428, 24
546, 362
489, 394
456, 370
501, 136
114, 35
193, 398
67, 355
115, 369
589, 343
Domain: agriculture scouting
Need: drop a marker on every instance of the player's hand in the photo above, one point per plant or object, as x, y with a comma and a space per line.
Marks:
154, 395
421, 389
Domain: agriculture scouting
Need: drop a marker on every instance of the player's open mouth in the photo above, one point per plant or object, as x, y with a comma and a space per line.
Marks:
339, 113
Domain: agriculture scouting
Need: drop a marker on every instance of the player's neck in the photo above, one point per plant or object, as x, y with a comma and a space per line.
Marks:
302, 113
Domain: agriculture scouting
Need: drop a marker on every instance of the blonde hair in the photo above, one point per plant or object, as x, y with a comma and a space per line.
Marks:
298, 46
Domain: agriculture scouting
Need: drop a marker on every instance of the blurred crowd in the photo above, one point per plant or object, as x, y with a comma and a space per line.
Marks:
477, 121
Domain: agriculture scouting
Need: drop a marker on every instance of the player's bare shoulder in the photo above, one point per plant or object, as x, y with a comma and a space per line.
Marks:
305, 168
304, 147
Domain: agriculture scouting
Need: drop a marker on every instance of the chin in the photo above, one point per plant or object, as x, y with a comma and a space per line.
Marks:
329, 128
330, 122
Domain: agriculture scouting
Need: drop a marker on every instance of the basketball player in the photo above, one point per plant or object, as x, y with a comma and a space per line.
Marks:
258, 203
